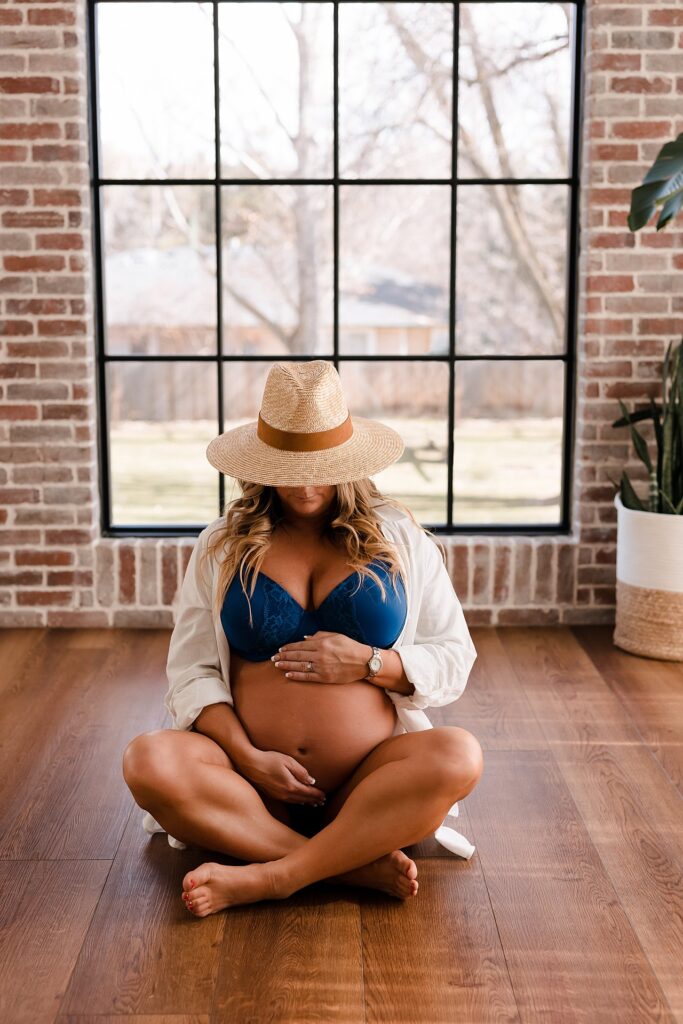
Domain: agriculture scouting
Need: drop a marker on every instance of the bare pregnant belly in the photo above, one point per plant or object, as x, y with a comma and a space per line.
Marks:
327, 728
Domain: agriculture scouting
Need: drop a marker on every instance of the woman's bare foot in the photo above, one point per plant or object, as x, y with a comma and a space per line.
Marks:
211, 886
394, 873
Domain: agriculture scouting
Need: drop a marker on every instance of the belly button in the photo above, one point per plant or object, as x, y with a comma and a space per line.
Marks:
302, 750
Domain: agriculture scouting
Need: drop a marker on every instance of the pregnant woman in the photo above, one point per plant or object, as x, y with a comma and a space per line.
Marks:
315, 622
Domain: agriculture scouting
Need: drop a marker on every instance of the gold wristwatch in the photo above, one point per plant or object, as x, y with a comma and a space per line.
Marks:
375, 663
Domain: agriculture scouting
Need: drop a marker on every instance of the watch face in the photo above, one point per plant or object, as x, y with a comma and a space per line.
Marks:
375, 663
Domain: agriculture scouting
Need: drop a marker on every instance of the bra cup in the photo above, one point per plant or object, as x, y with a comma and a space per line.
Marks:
356, 611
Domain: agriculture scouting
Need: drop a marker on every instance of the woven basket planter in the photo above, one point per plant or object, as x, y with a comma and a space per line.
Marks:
649, 618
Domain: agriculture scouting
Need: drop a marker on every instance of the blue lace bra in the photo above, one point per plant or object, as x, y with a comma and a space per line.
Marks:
278, 619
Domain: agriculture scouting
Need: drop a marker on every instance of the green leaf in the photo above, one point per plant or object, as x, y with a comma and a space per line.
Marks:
639, 442
670, 209
637, 416
665, 498
660, 188
629, 498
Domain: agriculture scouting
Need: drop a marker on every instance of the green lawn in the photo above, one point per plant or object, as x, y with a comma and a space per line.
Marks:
505, 471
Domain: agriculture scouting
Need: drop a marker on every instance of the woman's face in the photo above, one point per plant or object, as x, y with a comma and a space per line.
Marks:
307, 501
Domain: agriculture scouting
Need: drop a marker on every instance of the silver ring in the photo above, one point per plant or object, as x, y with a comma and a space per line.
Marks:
310, 666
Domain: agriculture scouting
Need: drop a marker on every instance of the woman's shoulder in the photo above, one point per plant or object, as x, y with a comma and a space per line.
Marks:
400, 523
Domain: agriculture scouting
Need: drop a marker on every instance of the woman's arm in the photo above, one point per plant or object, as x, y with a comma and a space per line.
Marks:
392, 675
197, 694
439, 661
221, 724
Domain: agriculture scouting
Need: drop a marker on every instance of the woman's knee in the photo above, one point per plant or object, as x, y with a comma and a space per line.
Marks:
459, 759
159, 762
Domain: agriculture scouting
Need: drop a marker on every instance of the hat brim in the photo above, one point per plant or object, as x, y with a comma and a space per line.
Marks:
241, 453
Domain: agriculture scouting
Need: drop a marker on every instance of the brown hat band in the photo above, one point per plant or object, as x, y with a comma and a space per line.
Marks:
306, 441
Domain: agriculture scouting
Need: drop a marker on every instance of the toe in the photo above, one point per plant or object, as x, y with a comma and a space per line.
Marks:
199, 894
196, 877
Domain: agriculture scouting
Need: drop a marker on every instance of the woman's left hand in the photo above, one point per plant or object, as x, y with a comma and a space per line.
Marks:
336, 658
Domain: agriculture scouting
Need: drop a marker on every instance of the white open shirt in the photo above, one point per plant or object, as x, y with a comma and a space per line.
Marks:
435, 645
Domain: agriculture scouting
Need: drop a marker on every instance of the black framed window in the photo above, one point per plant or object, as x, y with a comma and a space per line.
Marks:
391, 186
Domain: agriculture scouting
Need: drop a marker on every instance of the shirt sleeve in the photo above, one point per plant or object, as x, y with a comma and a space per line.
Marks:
439, 662
193, 665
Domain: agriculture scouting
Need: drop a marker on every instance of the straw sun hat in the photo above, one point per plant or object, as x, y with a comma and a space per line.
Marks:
304, 433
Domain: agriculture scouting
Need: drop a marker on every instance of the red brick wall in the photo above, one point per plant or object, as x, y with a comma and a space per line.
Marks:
54, 568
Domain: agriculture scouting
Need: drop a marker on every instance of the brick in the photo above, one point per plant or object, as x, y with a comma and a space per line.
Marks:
614, 15
641, 129
29, 84
481, 582
615, 62
657, 84
615, 151
610, 283
522, 572
665, 16
645, 40
127, 575
43, 557
528, 616
46, 16
502, 564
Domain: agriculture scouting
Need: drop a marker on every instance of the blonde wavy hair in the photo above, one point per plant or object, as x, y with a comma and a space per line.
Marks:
353, 527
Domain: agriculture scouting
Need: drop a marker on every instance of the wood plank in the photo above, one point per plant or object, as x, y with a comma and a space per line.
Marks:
143, 952
631, 811
438, 957
651, 691
18, 647
137, 1018
308, 968
563, 688
45, 912
570, 948
63, 792
429, 848
493, 706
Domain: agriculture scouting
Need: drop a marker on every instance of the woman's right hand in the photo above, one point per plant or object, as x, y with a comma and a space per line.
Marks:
280, 776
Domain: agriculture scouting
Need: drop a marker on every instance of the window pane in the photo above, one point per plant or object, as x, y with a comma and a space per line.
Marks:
243, 385
162, 417
395, 90
155, 84
508, 442
277, 269
510, 269
411, 397
514, 85
160, 269
394, 267
276, 74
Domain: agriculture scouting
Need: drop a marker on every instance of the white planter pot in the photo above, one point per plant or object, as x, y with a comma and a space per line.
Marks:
649, 618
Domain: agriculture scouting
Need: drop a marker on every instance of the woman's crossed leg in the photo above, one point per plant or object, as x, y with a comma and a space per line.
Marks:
396, 796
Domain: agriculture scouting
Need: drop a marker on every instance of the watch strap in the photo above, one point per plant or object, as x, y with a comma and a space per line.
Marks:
375, 654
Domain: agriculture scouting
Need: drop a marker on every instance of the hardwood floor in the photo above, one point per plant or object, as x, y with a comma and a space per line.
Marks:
571, 908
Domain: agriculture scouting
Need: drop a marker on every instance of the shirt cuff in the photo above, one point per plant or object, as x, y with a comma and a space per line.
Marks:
419, 700
188, 704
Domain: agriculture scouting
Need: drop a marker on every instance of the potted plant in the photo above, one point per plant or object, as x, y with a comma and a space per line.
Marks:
649, 597
649, 617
